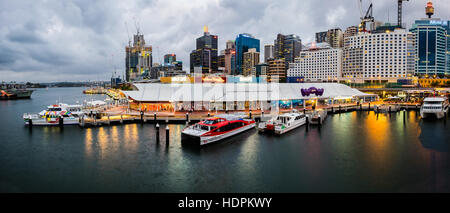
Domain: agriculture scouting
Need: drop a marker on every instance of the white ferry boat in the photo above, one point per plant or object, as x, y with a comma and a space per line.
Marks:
283, 123
434, 107
216, 128
51, 116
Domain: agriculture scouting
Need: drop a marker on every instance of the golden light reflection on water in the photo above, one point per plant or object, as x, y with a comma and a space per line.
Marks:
88, 142
103, 141
378, 130
114, 134
131, 136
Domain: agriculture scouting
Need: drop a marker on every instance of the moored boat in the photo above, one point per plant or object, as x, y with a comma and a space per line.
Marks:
283, 123
216, 128
5, 95
436, 107
68, 114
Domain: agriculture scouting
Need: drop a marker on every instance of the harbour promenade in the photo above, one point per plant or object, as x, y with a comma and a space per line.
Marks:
122, 114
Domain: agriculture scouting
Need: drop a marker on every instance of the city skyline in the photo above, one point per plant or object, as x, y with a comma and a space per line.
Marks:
70, 41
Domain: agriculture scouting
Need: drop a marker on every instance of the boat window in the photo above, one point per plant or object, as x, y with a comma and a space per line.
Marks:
203, 127
54, 109
210, 121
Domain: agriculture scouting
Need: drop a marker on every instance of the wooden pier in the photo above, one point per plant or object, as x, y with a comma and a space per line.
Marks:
105, 119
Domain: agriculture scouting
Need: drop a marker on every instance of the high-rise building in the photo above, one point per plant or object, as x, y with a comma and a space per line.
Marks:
321, 37
222, 60
277, 71
287, 47
372, 57
138, 59
244, 42
351, 31
251, 58
230, 57
260, 70
335, 37
268, 52
230, 45
317, 65
432, 39
205, 56
170, 58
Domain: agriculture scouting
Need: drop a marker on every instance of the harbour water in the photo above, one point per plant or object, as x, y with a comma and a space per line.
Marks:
351, 152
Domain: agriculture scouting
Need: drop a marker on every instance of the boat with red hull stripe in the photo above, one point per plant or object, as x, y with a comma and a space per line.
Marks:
217, 128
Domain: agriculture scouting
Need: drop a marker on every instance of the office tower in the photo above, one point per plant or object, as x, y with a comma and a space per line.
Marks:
317, 65
244, 42
371, 57
268, 52
170, 58
432, 39
230, 57
321, 37
205, 56
260, 70
251, 58
335, 37
138, 59
287, 47
277, 71
222, 60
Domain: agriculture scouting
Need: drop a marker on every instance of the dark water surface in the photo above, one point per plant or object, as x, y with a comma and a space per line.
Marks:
352, 152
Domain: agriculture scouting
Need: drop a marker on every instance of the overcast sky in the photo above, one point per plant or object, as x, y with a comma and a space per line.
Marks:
45, 41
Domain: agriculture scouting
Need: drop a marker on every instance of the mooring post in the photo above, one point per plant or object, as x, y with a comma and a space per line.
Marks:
304, 110
250, 114
121, 119
157, 132
30, 122
167, 135
109, 120
339, 109
209, 114
262, 114
154, 117
369, 106
320, 121
360, 107
82, 121
404, 116
187, 117
389, 109
142, 116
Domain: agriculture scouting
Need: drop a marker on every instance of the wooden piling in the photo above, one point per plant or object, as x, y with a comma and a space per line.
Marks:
167, 135
157, 132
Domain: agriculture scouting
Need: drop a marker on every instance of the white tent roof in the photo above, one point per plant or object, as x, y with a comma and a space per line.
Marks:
157, 92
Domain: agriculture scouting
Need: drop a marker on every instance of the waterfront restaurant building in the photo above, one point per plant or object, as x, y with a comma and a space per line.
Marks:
239, 96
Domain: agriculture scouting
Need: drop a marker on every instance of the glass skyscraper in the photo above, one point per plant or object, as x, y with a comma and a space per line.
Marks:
432, 47
205, 55
244, 42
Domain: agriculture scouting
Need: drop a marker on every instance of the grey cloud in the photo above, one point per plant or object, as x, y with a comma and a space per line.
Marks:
85, 39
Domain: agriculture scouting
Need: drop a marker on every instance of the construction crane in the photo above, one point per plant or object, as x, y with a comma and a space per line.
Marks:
366, 18
399, 17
